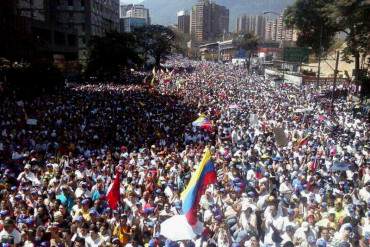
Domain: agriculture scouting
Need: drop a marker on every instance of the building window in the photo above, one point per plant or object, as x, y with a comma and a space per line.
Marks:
72, 40
82, 3
70, 2
59, 38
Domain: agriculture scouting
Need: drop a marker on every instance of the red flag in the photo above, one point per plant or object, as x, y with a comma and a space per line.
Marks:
303, 141
113, 195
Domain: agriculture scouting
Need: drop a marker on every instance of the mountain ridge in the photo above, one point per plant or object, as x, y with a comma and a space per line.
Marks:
163, 12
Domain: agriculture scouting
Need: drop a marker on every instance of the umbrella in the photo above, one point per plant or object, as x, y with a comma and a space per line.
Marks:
340, 167
177, 228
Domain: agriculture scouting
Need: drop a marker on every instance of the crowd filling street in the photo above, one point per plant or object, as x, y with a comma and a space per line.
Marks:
291, 169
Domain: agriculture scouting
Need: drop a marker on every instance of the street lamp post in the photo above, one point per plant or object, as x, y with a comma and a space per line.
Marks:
282, 43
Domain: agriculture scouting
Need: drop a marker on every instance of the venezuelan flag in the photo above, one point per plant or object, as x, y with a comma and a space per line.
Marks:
204, 176
203, 123
258, 171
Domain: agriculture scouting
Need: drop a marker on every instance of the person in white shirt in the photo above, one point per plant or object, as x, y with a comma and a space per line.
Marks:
365, 192
303, 234
93, 239
27, 175
274, 223
10, 232
288, 235
286, 187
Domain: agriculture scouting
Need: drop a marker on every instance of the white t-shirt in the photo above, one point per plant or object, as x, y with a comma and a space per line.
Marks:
15, 234
89, 242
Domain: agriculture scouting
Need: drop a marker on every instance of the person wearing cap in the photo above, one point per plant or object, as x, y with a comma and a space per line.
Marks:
10, 231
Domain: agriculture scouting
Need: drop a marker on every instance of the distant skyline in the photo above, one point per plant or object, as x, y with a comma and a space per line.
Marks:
164, 12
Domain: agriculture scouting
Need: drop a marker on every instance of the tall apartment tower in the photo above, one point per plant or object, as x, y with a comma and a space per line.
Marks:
241, 24
208, 21
85, 18
252, 24
183, 21
276, 31
269, 30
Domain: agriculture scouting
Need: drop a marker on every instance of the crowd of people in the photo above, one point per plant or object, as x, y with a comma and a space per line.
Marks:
291, 170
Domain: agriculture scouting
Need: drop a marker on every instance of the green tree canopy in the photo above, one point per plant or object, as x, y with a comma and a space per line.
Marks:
112, 53
156, 41
316, 28
330, 17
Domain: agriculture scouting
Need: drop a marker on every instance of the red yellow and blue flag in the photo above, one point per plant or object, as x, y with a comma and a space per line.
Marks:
203, 176
203, 123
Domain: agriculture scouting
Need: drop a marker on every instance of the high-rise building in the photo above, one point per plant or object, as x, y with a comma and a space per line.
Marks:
241, 24
275, 30
208, 21
133, 15
269, 30
71, 22
41, 18
183, 21
251, 24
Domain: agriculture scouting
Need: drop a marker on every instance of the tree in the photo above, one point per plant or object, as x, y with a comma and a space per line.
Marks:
181, 42
110, 54
352, 18
156, 41
248, 42
316, 29
319, 21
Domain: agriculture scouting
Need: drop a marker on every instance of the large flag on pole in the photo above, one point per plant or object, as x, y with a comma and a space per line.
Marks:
203, 176
113, 194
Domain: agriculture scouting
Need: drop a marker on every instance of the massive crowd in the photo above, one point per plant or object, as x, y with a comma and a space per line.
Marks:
308, 185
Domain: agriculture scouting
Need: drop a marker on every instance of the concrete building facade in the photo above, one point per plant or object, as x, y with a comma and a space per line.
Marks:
133, 15
276, 31
208, 21
251, 24
183, 21
72, 22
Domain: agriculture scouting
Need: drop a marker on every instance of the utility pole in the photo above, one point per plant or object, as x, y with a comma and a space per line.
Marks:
319, 62
335, 79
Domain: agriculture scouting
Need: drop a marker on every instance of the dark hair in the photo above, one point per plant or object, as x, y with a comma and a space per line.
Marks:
79, 240
288, 244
